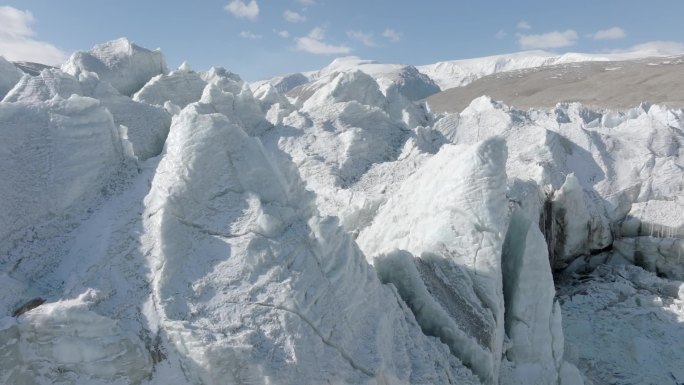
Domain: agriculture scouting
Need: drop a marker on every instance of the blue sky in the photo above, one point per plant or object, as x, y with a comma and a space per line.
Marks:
261, 38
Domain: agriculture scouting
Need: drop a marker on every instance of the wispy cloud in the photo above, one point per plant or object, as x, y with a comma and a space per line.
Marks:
250, 35
366, 38
243, 10
282, 33
522, 24
314, 43
500, 34
657, 48
293, 17
610, 34
553, 39
392, 35
16, 42
306, 2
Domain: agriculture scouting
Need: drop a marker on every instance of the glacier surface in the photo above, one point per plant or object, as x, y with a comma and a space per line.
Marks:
186, 227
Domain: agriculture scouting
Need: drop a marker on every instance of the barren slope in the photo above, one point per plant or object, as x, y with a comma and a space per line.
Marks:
614, 85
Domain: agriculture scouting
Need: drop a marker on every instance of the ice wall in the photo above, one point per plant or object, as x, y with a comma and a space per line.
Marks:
251, 285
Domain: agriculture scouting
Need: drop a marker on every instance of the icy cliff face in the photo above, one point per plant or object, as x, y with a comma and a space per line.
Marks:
204, 233
9, 76
272, 288
433, 216
46, 174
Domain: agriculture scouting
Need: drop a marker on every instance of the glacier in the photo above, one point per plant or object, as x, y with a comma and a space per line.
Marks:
186, 227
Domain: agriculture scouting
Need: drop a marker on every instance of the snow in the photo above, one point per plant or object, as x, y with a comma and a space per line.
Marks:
324, 228
65, 341
457, 73
625, 325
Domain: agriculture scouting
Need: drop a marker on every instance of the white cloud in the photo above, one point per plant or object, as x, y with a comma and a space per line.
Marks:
16, 43
314, 43
317, 33
522, 24
500, 34
610, 34
364, 37
283, 33
250, 35
243, 10
293, 17
658, 48
553, 39
306, 2
392, 35
14, 21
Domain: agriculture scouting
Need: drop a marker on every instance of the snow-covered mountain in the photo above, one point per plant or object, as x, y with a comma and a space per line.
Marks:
182, 227
601, 84
419, 82
457, 73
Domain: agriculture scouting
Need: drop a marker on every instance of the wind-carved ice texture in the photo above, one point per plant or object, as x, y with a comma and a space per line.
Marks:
144, 126
46, 174
251, 285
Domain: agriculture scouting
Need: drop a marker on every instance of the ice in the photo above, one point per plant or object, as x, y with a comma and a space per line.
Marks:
179, 87
123, 64
283, 83
144, 126
48, 84
532, 316
273, 288
9, 76
624, 325
57, 156
325, 228
655, 218
406, 79
452, 208
65, 342
572, 218
629, 161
